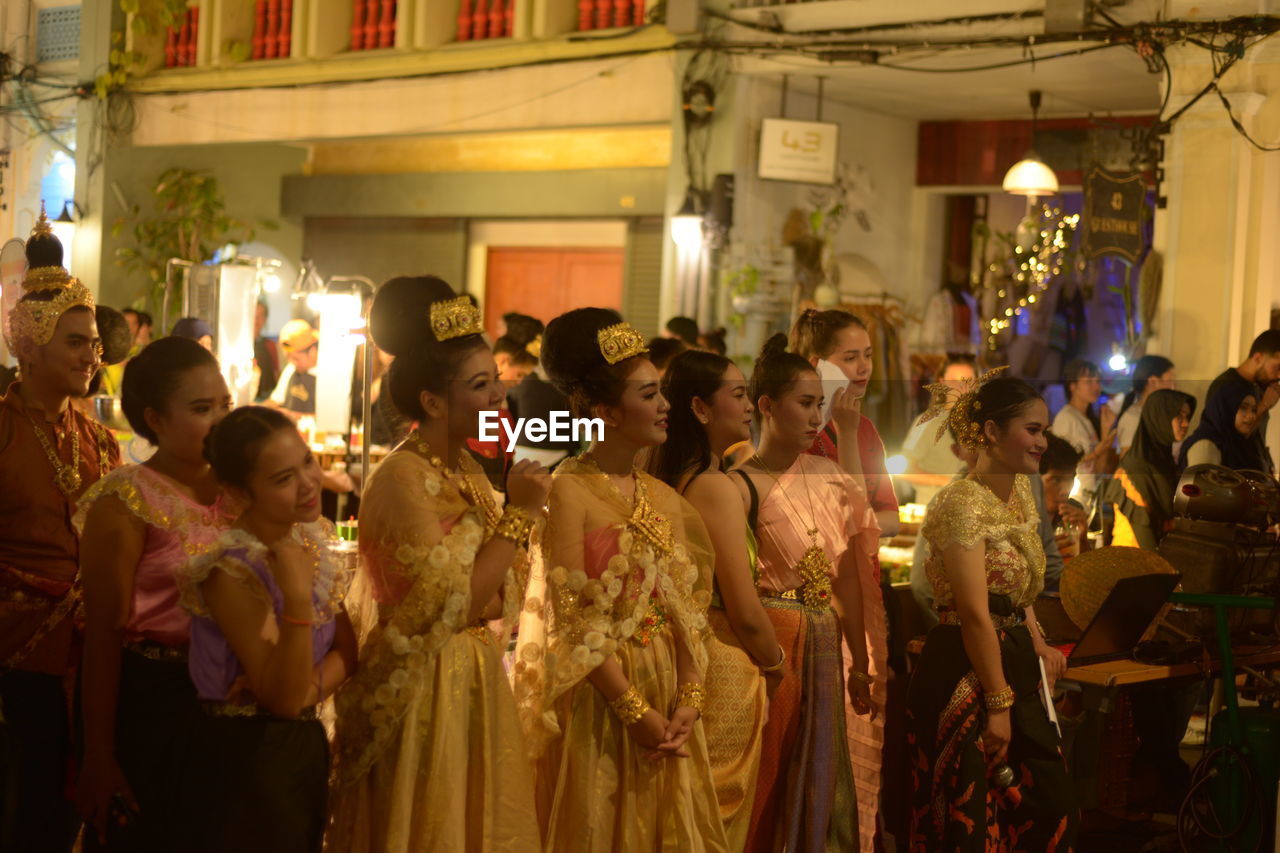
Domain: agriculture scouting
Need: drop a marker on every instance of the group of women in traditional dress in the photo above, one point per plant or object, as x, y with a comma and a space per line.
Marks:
697, 622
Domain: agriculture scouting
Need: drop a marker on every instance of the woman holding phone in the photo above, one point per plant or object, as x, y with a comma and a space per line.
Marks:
838, 345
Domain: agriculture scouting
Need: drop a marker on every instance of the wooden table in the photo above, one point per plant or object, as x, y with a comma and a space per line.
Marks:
1122, 673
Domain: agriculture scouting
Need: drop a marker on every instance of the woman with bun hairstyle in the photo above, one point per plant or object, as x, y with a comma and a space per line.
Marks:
138, 525
841, 339
430, 752
269, 641
710, 412
987, 770
610, 660
817, 534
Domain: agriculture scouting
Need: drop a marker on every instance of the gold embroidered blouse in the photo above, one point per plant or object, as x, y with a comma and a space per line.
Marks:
966, 512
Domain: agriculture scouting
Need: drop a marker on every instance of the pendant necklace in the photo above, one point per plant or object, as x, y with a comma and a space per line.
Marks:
814, 565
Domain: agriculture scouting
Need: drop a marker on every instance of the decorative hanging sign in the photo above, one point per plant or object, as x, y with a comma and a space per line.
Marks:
1113, 214
802, 151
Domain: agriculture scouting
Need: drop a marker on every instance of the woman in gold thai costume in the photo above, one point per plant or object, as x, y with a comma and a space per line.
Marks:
430, 752
710, 412
611, 652
988, 774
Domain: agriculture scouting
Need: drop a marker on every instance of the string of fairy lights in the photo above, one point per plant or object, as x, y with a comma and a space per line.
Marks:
1032, 269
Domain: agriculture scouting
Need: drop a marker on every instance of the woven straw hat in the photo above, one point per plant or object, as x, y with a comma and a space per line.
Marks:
1088, 579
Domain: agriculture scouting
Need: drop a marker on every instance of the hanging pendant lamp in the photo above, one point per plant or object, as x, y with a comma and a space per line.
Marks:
1030, 176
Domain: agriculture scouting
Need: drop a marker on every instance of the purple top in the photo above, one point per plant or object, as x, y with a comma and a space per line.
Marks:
214, 666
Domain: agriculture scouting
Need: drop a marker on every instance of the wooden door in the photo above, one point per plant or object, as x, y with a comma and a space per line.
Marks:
546, 282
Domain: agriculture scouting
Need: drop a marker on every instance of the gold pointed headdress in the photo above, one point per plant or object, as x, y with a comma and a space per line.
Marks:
960, 407
34, 317
454, 318
620, 342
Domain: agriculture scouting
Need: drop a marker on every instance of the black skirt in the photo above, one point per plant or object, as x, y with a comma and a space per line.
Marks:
158, 719
954, 807
266, 785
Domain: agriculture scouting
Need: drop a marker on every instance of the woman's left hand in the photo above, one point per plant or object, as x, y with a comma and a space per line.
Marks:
678, 731
1055, 662
860, 697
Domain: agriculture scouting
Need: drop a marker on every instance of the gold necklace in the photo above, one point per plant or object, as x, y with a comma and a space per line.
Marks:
645, 519
814, 565
477, 496
65, 477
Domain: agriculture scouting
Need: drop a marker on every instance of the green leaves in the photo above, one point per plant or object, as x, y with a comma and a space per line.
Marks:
237, 50
744, 281
189, 222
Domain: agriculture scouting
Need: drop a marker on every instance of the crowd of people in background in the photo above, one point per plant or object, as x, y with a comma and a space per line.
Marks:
676, 637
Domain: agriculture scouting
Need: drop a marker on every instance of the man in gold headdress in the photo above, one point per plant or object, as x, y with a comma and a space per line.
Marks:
49, 455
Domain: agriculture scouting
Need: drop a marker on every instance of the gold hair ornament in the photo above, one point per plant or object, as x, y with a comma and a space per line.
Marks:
454, 318
534, 347
964, 409
620, 342
34, 320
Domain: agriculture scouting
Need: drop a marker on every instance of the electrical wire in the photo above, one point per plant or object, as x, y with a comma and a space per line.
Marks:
998, 65
1236, 123
998, 17
1198, 809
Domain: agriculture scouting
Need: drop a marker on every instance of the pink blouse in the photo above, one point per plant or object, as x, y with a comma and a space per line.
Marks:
814, 492
178, 528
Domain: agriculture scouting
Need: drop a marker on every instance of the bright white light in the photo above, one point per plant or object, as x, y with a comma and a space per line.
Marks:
896, 465
315, 301
1075, 488
686, 231
1118, 363
270, 282
1031, 177
66, 234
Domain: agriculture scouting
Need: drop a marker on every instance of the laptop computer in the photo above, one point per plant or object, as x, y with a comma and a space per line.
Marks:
1123, 618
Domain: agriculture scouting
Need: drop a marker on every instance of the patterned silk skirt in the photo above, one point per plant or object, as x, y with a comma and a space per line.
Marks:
955, 807
733, 720
805, 799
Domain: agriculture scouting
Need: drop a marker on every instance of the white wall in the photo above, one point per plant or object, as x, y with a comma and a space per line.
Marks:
880, 153
599, 93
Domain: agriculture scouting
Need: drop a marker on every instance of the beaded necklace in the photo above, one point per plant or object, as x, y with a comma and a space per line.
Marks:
65, 477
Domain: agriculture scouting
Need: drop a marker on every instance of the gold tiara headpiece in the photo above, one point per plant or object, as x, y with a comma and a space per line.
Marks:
35, 319
454, 318
620, 342
534, 347
961, 407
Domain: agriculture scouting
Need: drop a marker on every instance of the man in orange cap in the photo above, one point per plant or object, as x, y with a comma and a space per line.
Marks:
295, 392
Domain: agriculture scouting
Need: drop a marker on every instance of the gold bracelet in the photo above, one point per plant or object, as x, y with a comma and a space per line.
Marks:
777, 667
1001, 700
860, 676
629, 707
514, 525
690, 695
